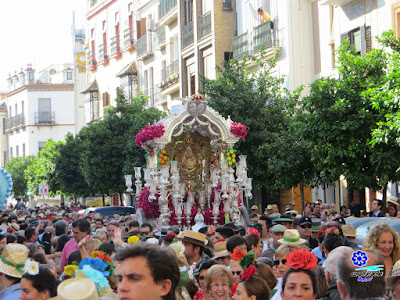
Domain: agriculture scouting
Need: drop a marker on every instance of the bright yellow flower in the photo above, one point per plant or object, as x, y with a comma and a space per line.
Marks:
69, 269
133, 239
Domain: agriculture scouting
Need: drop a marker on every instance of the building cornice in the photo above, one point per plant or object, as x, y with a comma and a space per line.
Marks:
43, 87
98, 9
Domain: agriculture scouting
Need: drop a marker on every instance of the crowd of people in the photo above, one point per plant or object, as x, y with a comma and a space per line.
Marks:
57, 253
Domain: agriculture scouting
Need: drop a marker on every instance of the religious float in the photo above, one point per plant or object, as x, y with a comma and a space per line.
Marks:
193, 176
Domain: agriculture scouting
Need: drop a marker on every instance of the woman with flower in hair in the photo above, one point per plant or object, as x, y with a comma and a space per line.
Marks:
253, 242
382, 237
251, 286
38, 282
299, 281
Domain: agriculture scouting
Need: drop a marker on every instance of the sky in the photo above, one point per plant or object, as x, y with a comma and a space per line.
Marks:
37, 32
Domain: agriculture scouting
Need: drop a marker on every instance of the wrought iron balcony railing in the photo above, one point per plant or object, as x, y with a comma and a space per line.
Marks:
114, 47
15, 121
264, 35
205, 24
170, 74
158, 96
158, 36
188, 35
166, 6
44, 117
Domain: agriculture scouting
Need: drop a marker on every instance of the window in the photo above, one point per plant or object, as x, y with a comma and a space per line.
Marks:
22, 107
23, 149
188, 11
228, 56
69, 75
16, 151
4, 157
396, 19
44, 114
360, 38
9, 112
42, 145
11, 152
16, 109
227, 5
4, 125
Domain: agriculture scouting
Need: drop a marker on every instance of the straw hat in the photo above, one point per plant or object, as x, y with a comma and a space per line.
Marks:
393, 200
77, 289
395, 274
12, 261
14, 226
254, 207
348, 230
193, 237
291, 237
220, 250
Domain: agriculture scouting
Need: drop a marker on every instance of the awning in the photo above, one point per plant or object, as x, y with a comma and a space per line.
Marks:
91, 87
130, 69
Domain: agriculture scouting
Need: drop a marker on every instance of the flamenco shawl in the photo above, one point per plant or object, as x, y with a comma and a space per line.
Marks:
6, 185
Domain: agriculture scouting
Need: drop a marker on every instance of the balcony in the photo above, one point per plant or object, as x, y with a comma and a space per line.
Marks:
159, 37
263, 36
168, 13
205, 25
188, 35
115, 49
45, 118
15, 122
143, 46
158, 97
170, 75
101, 52
129, 44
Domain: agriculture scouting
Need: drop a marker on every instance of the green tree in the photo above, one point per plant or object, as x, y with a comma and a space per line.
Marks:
259, 101
108, 146
338, 118
16, 167
68, 167
42, 169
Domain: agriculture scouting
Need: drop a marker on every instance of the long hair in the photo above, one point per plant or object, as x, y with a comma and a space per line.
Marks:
371, 241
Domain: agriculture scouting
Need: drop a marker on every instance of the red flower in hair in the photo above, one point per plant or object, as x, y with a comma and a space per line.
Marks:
108, 259
321, 230
234, 287
301, 259
238, 254
48, 217
253, 231
249, 272
170, 237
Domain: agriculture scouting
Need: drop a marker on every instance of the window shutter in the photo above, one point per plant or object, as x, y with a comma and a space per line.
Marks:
368, 38
344, 36
363, 41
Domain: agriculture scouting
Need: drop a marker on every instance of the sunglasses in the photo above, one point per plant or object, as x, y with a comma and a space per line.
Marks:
237, 273
305, 226
278, 261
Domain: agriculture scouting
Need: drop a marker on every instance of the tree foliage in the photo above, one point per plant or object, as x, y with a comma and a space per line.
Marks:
16, 167
338, 119
41, 170
258, 100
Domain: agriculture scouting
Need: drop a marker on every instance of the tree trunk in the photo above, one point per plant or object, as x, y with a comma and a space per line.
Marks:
302, 196
104, 200
120, 199
383, 209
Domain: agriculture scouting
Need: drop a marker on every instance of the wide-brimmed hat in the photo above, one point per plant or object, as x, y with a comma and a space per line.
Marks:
12, 261
269, 206
348, 230
14, 226
393, 200
77, 289
220, 250
291, 236
193, 237
254, 207
394, 275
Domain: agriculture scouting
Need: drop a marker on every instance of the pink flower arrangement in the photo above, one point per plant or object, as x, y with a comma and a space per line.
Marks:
238, 130
197, 97
148, 133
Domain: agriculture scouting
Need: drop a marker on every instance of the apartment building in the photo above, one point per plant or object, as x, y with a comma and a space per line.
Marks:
40, 105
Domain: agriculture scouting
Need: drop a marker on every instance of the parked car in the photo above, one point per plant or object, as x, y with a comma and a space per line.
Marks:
107, 211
